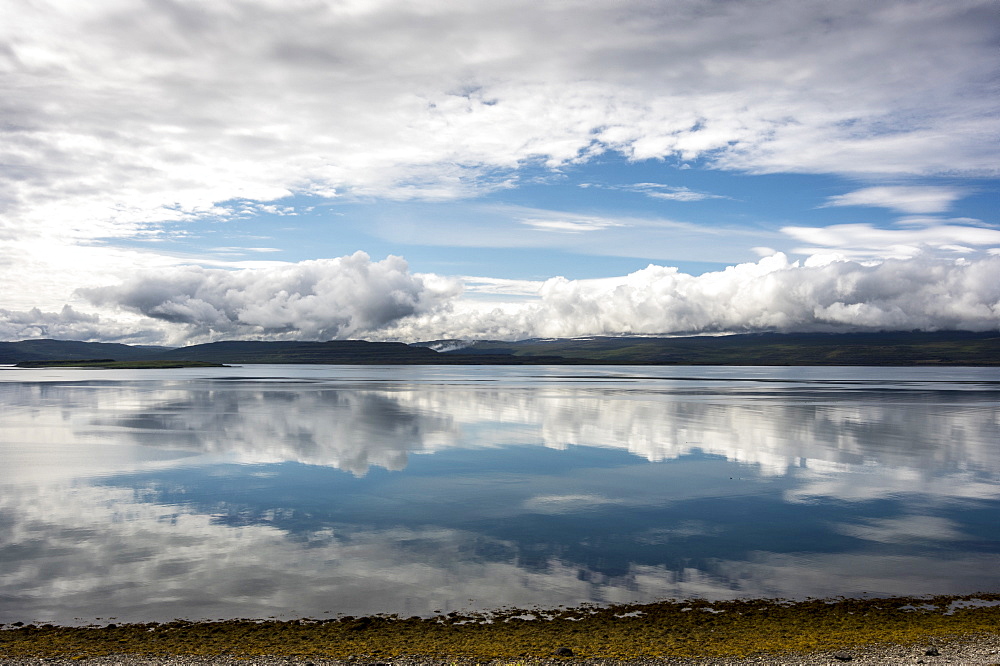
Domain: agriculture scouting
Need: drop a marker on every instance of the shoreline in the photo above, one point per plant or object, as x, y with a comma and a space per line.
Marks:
947, 629
981, 650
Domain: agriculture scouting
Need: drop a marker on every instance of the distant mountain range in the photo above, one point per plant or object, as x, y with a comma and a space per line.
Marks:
238, 351
884, 348
69, 350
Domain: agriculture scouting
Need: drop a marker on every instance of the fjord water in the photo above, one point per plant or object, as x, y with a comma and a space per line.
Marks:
292, 491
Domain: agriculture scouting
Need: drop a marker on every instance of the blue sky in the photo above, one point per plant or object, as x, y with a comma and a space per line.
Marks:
698, 220
176, 171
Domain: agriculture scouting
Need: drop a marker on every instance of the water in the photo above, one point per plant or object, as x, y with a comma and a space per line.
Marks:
292, 491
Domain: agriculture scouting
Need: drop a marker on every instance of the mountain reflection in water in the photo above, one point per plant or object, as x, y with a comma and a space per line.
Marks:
285, 490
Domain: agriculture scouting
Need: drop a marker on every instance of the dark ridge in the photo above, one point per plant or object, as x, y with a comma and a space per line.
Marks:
70, 350
877, 348
111, 364
342, 352
897, 348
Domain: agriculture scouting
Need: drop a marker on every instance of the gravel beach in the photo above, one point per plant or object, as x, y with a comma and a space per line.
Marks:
971, 651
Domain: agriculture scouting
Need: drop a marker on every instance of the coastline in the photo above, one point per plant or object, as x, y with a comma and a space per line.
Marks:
950, 629
983, 650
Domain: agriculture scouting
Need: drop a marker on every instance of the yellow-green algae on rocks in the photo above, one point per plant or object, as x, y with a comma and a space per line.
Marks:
696, 628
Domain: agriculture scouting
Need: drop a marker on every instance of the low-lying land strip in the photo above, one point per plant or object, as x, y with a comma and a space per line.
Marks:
112, 364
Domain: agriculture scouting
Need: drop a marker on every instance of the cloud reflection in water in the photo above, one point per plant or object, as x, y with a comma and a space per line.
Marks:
211, 498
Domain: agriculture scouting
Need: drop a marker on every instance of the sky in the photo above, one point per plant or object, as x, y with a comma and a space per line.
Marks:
179, 171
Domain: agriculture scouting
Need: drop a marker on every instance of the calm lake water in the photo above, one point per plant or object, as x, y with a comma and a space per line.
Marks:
293, 491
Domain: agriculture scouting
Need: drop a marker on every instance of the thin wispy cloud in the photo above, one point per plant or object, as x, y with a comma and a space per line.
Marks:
867, 241
245, 250
576, 224
905, 199
680, 194
659, 191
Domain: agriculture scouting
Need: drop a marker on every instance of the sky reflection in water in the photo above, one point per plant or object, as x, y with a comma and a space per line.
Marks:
287, 491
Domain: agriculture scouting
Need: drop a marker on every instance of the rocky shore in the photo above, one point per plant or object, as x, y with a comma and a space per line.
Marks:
969, 651
940, 630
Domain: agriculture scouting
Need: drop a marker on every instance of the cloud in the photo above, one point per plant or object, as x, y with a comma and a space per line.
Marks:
353, 296
70, 324
907, 199
907, 530
557, 504
142, 561
126, 121
502, 287
864, 241
654, 238
571, 224
858, 574
121, 115
681, 194
118, 553
773, 294
776, 294
330, 298
244, 250
19, 325
71, 544
841, 444
659, 191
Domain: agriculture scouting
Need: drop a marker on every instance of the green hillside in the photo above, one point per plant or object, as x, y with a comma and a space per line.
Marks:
70, 350
886, 348
109, 364
889, 348
337, 352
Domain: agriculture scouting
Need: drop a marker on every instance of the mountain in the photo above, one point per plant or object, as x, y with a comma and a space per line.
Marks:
339, 352
240, 351
881, 348
72, 350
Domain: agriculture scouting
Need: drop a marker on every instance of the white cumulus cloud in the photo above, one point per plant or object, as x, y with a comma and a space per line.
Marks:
353, 296
773, 294
332, 298
34, 323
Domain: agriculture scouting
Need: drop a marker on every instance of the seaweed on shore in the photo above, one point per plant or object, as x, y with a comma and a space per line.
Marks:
696, 628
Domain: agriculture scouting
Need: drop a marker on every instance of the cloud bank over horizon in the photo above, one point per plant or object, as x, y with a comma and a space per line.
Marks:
355, 297
773, 294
